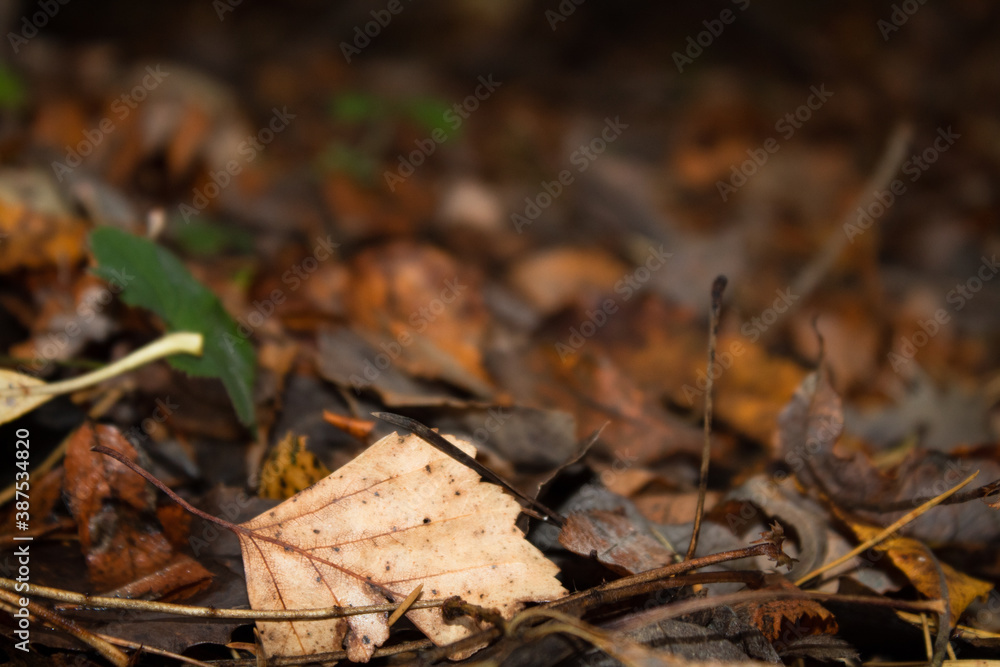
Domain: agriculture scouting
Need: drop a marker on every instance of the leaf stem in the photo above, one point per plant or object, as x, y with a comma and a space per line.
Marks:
238, 529
134, 467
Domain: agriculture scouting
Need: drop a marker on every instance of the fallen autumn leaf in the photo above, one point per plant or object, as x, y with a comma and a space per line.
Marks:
398, 515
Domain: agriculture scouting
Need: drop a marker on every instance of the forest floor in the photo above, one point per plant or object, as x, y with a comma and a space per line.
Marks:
502, 222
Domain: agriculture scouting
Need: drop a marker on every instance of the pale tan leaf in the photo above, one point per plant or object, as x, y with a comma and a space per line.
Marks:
13, 406
400, 514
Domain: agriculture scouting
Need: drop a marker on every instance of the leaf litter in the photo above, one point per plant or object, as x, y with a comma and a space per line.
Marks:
567, 347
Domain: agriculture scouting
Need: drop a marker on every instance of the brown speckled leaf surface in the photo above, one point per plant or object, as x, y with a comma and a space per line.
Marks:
398, 515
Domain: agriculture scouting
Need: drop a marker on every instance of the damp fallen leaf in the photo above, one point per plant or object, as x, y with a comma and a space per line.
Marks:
400, 514
37, 227
120, 536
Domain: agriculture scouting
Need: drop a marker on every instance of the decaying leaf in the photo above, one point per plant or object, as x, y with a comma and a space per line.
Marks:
425, 310
120, 536
808, 432
785, 620
347, 359
614, 540
59, 312
37, 226
595, 391
553, 278
398, 515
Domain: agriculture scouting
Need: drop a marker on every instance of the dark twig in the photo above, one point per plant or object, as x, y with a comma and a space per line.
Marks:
718, 286
768, 548
438, 442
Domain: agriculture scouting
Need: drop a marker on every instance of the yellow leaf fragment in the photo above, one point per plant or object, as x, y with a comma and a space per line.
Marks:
913, 558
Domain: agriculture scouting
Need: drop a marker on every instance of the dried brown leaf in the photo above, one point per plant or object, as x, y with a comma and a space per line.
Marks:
614, 540
808, 432
37, 227
808, 429
784, 620
424, 310
120, 536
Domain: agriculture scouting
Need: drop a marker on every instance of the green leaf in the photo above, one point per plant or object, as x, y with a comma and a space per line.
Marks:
12, 93
153, 278
354, 107
428, 112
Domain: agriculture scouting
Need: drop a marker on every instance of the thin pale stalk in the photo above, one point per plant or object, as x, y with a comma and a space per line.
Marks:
182, 342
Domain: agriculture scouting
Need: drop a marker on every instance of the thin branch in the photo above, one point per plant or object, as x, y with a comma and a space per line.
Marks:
892, 158
765, 549
693, 605
98, 602
438, 442
718, 286
113, 655
688, 606
899, 505
144, 648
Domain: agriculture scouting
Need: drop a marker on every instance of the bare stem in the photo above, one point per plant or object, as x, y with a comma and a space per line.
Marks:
718, 286
182, 342
71, 598
888, 531
113, 655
